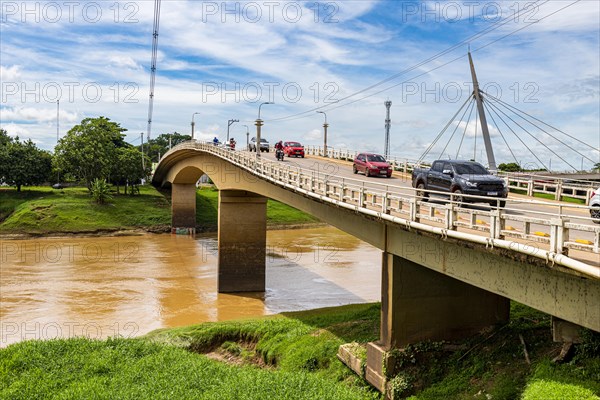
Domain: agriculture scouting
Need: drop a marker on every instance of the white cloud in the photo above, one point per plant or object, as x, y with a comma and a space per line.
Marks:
10, 74
31, 114
368, 42
16, 130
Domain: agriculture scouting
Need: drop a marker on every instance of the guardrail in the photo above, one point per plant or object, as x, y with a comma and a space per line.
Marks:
548, 231
528, 184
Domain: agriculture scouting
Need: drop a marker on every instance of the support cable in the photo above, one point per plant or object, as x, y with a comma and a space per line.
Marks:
497, 109
535, 138
517, 112
500, 132
475, 139
465, 130
453, 132
442, 132
520, 140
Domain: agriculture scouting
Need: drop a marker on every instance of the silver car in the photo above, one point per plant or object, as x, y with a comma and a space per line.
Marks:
264, 145
595, 206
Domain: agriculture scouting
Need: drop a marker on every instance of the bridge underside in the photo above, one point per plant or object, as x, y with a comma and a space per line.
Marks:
432, 289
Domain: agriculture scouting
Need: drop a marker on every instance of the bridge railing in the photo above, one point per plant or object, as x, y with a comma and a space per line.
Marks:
556, 232
522, 183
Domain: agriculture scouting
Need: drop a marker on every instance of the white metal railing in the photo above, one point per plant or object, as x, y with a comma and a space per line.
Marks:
528, 184
547, 230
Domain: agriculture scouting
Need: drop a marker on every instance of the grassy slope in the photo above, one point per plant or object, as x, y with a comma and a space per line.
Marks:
40, 210
300, 349
154, 368
44, 210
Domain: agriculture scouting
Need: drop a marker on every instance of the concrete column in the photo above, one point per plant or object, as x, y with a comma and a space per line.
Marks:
183, 205
242, 241
420, 304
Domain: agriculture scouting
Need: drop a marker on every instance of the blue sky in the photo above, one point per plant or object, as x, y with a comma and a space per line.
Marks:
222, 59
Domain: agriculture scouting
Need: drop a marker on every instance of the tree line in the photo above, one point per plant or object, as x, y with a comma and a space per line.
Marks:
93, 150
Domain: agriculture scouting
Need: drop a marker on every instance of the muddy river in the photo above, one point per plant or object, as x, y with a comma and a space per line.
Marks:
128, 286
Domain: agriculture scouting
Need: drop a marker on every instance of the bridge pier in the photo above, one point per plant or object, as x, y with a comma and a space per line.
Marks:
242, 241
419, 304
183, 205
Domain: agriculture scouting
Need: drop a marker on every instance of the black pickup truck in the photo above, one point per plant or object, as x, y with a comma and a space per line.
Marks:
460, 178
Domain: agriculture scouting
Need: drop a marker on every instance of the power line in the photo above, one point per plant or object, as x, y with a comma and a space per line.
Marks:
482, 33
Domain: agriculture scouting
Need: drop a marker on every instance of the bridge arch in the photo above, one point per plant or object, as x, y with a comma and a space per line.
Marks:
432, 288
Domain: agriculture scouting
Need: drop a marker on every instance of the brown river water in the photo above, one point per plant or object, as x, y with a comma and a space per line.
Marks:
130, 285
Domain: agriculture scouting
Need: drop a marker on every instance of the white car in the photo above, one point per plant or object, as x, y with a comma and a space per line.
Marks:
595, 206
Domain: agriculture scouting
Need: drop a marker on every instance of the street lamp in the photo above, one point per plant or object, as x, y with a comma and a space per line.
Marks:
193, 124
258, 124
325, 125
229, 123
247, 137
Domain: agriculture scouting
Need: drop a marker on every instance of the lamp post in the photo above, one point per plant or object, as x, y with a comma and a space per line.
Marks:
247, 137
325, 125
193, 123
258, 124
229, 123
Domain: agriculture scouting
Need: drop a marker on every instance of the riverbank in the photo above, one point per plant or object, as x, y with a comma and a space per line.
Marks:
43, 211
293, 356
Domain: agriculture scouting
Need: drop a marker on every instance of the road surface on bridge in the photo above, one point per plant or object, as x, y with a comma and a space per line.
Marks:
338, 170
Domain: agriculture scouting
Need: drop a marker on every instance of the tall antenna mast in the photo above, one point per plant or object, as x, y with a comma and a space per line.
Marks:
484, 126
153, 63
388, 121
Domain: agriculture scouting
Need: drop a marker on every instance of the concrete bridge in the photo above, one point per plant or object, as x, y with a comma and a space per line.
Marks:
444, 275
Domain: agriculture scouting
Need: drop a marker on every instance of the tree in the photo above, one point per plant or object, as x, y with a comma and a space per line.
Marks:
160, 144
4, 141
100, 191
596, 166
510, 167
4, 138
88, 150
128, 167
22, 163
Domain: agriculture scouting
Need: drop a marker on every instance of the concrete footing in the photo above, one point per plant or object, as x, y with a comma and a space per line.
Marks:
419, 304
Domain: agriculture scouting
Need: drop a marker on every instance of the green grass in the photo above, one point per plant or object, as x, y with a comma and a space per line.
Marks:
495, 366
207, 201
161, 366
43, 210
548, 196
137, 369
293, 356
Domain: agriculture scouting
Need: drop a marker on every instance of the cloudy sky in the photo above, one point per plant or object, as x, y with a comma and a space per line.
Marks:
223, 59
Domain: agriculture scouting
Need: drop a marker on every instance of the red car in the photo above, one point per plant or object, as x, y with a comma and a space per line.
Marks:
293, 149
372, 165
